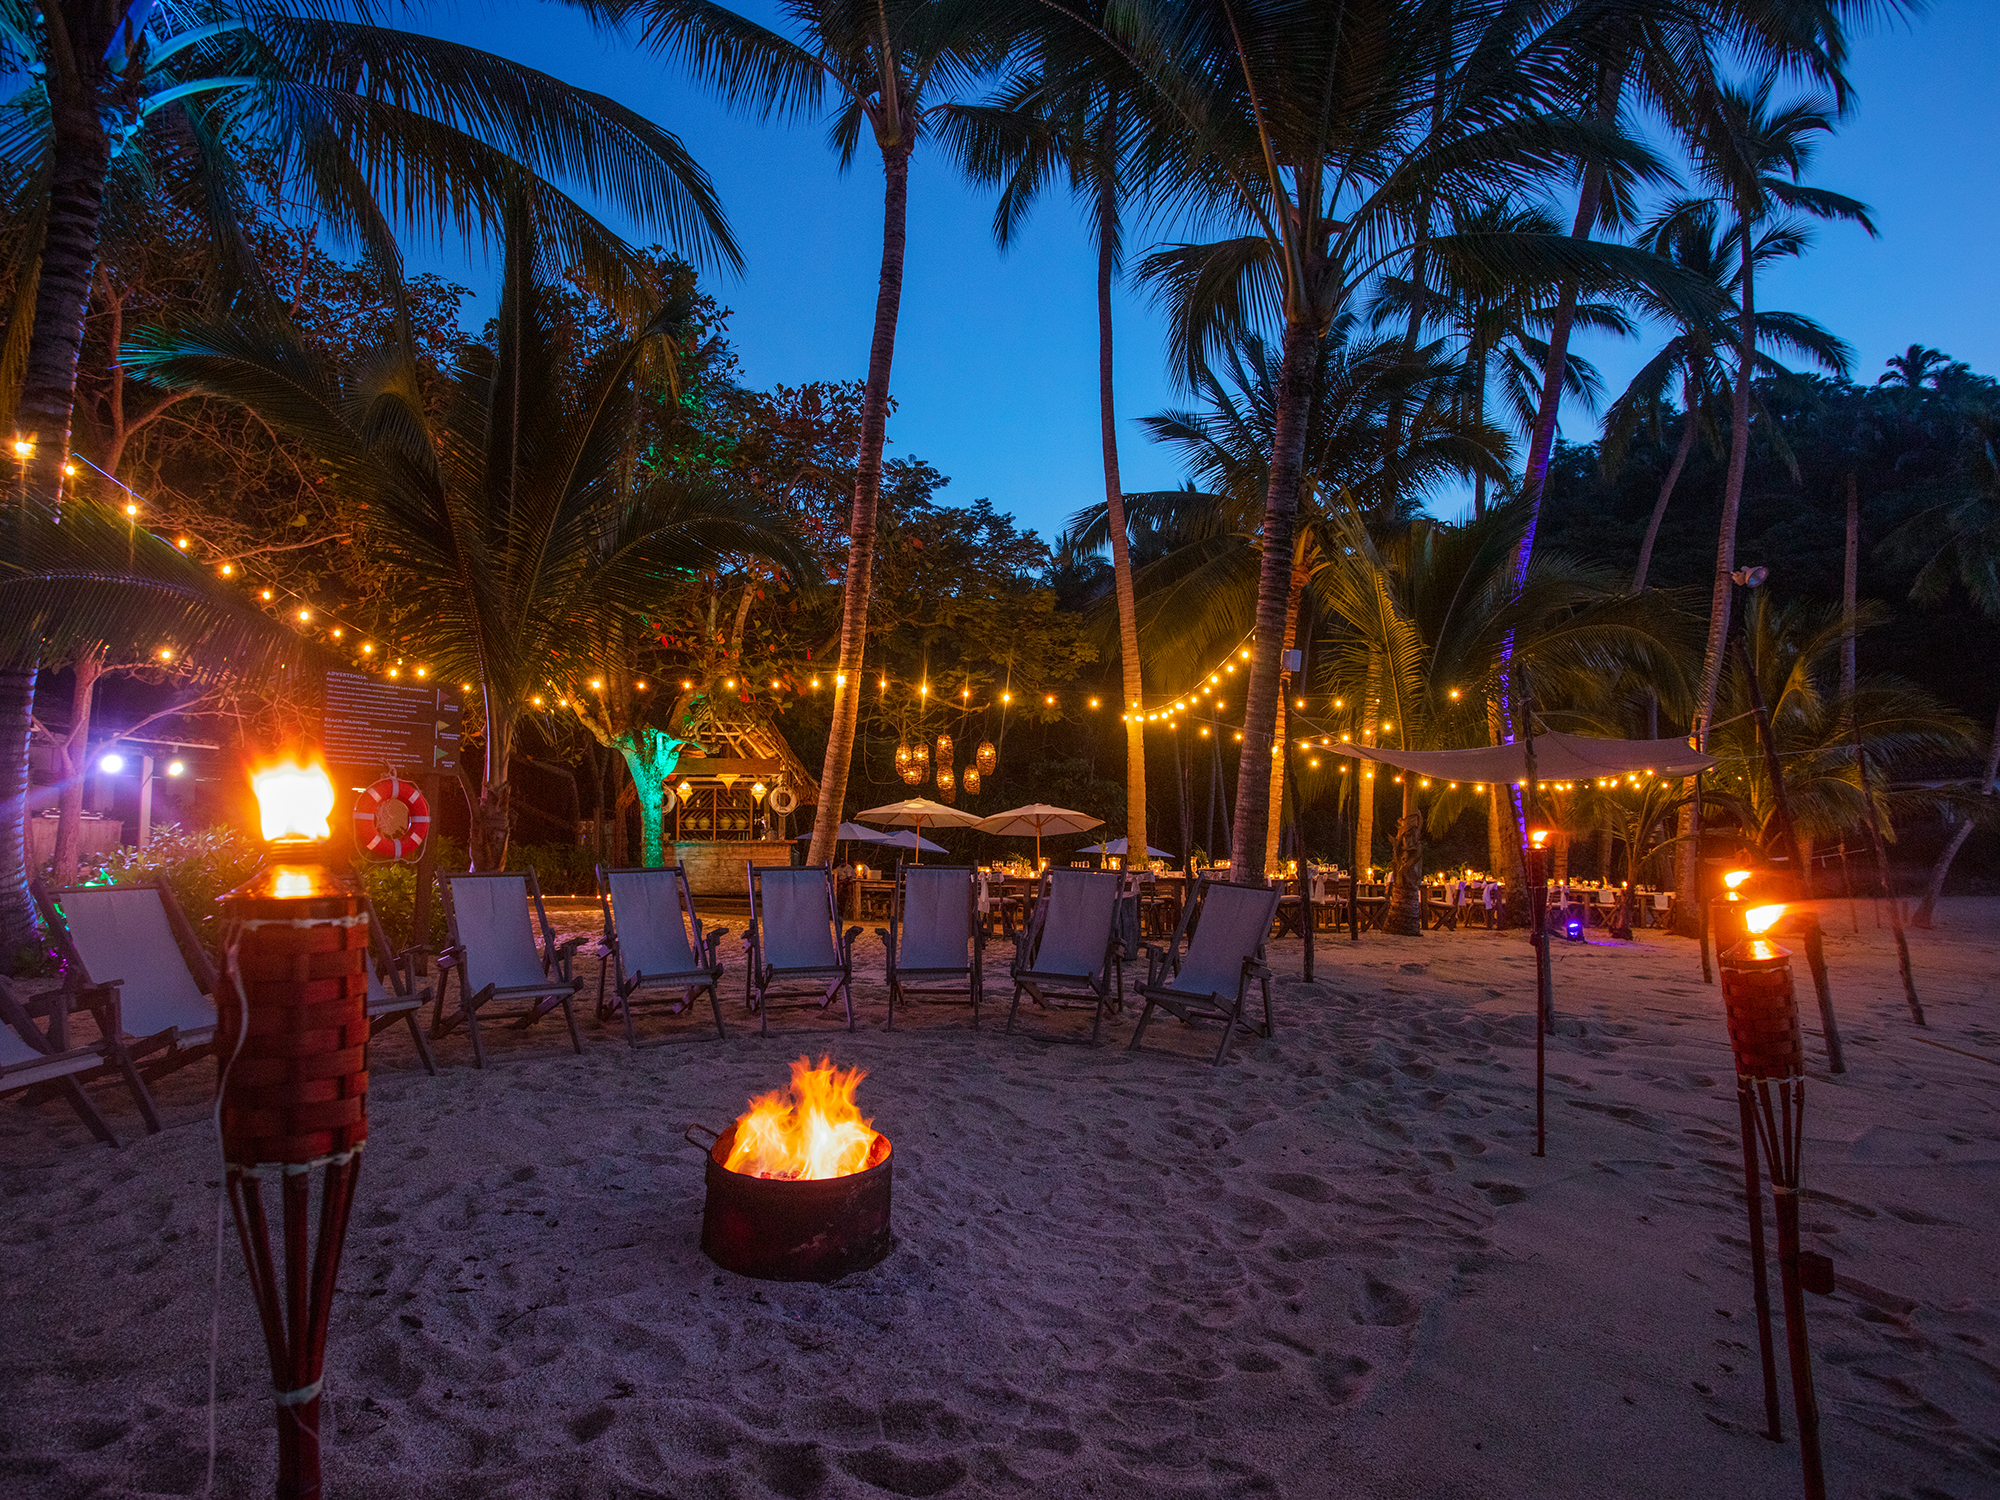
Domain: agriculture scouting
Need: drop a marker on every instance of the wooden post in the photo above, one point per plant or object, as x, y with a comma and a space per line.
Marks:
420, 920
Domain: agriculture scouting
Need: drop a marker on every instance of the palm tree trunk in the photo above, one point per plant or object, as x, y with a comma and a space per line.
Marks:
492, 818
74, 757
18, 928
1660, 505
1927, 909
1121, 550
1275, 829
1542, 442
1725, 548
867, 494
1850, 579
1281, 504
1405, 916
79, 158
1364, 771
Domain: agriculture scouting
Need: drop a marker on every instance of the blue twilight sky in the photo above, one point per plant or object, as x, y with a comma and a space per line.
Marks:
996, 356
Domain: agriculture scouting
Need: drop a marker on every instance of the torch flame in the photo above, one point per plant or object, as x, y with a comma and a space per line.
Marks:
808, 1132
1734, 878
1761, 919
293, 801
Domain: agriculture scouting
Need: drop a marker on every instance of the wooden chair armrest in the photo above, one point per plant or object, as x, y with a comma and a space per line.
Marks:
712, 941
847, 939
452, 956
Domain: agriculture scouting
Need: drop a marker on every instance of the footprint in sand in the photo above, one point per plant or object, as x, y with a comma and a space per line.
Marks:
1502, 1193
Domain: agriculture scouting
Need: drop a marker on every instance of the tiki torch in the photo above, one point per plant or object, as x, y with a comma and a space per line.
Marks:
1764, 1034
1538, 930
294, 1043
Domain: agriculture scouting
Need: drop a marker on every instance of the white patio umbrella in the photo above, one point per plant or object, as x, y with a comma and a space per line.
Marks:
909, 838
1117, 846
915, 813
1036, 819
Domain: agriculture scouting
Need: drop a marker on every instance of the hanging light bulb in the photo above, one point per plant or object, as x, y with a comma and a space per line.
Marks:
986, 758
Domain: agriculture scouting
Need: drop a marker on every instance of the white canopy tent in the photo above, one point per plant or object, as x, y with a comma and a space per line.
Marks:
1558, 757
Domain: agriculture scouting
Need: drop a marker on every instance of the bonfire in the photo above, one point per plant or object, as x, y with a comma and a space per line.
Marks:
808, 1132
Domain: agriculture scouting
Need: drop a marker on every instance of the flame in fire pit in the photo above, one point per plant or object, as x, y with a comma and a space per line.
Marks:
808, 1132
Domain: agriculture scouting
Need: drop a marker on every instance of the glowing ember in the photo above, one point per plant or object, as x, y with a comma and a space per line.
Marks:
808, 1132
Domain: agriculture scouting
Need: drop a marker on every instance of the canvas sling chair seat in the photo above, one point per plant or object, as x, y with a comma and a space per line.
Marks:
795, 938
933, 937
654, 940
393, 991
28, 1058
494, 956
136, 941
1068, 955
1205, 975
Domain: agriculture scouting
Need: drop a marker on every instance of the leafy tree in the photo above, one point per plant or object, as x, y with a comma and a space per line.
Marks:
1330, 139
444, 134
506, 515
886, 64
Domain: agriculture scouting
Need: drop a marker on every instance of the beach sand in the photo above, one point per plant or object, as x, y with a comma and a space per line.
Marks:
1331, 1267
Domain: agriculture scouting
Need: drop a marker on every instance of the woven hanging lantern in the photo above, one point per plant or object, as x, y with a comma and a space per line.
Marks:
294, 1032
902, 755
920, 758
971, 781
986, 758
912, 775
946, 777
944, 749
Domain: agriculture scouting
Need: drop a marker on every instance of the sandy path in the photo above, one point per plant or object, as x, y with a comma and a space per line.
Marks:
1331, 1267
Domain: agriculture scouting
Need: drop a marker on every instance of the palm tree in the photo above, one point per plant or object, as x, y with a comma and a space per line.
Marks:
368, 124
1687, 234
1025, 138
1958, 542
883, 61
1795, 652
505, 507
1666, 55
1431, 610
76, 584
1202, 594
1498, 323
1752, 156
1332, 138
1917, 367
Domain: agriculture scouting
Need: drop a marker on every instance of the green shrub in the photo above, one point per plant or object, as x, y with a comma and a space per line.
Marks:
561, 869
393, 889
197, 867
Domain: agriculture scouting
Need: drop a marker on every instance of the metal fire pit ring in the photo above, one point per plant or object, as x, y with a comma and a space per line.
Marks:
779, 1229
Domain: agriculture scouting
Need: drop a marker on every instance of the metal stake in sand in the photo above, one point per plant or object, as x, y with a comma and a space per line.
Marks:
294, 1029
1764, 1034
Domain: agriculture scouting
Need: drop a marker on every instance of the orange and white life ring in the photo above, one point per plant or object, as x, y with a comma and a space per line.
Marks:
391, 819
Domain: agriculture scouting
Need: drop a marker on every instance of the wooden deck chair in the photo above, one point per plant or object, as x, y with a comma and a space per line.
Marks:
28, 1057
1069, 951
652, 937
1208, 978
393, 992
136, 940
494, 956
933, 936
795, 935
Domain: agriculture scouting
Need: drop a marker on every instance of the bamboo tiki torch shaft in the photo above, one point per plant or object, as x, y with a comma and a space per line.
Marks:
1753, 1196
1783, 1139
